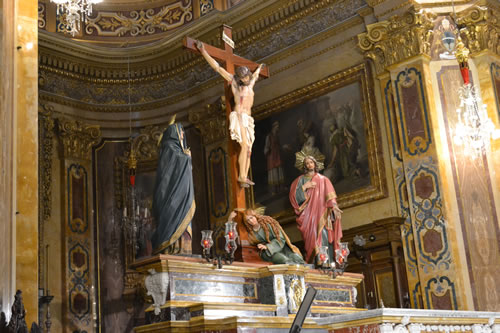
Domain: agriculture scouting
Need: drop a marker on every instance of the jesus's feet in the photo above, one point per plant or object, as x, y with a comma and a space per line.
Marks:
243, 183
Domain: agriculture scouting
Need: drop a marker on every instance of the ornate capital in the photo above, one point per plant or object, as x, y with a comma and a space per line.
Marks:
397, 39
78, 138
211, 121
482, 28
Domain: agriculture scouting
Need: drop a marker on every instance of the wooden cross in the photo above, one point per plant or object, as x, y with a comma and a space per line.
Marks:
230, 60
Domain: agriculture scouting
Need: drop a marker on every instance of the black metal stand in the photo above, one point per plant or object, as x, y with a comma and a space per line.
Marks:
45, 300
334, 271
212, 255
217, 258
303, 310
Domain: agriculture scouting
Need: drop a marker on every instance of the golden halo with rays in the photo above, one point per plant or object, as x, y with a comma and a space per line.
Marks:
301, 155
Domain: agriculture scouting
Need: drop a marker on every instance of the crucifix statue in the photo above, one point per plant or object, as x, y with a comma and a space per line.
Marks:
240, 76
239, 84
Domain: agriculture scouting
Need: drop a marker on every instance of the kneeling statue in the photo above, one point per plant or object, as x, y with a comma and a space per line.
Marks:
266, 233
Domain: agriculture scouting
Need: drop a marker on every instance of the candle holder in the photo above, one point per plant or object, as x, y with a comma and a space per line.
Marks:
337, 267
210, 252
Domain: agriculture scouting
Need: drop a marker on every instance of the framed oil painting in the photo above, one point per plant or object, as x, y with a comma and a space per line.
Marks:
334, 117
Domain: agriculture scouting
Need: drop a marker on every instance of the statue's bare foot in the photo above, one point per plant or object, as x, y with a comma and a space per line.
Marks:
249, 182
243, 183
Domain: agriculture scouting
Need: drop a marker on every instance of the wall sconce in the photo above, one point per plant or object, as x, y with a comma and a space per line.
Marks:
337, 267
210, 252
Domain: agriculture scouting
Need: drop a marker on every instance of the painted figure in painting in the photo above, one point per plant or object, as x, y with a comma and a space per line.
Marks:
173, 201
241, 123
266, 233
345, 149
275, 176
313, 199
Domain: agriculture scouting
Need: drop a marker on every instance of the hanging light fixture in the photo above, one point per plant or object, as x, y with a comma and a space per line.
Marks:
136, 218
474, 129
75, 10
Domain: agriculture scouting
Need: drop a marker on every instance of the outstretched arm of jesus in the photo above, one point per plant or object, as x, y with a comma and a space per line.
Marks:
255, 75
213, 63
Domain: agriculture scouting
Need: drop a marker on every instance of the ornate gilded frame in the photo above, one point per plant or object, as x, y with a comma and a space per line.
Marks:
359, 73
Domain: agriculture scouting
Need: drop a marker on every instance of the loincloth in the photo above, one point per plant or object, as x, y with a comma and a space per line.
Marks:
239, 121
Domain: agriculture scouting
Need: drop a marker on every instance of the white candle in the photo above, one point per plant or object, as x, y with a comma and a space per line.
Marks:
125, 212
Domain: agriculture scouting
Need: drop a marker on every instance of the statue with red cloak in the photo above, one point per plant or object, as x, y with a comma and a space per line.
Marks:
315, 204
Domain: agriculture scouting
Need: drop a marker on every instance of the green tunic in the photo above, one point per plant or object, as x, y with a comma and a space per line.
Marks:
278, 252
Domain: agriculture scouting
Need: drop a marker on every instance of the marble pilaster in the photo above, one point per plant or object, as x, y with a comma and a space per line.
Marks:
400, 47
77, 141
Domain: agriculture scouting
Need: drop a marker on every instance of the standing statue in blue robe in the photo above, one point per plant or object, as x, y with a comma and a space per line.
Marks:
173, 200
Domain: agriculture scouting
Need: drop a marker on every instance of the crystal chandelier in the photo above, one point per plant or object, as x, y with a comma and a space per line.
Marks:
74, 10
474, 129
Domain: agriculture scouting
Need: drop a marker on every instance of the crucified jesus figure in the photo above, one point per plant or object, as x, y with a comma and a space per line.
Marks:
241, 123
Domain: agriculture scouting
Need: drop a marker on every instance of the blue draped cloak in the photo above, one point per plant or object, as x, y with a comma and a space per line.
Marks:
173, 201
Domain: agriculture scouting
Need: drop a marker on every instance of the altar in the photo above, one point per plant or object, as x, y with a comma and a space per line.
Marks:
191, 295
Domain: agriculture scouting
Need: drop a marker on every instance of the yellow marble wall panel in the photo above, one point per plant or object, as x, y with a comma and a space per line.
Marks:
7, 185
483, 75
26, 108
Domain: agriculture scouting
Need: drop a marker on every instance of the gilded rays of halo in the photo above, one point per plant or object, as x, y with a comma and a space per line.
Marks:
301, 155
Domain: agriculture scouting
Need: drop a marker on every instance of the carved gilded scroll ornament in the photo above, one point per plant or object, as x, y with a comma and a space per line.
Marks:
211, 121
397, 39
140, 22
78, 138
482, 28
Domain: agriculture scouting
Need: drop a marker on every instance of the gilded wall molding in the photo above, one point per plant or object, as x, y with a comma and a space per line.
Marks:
42, 23
78, 138
482, 28
211, 121
140, 22
309, 24
92, 64
397, 39
46, 135
45, 150
157, 84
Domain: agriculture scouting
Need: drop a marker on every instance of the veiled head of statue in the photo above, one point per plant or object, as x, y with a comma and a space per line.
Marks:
174, 135
243, 75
